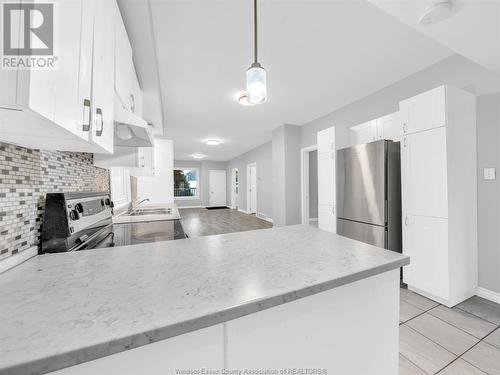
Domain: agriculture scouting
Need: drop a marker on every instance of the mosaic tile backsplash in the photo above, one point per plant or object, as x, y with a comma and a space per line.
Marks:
25, 177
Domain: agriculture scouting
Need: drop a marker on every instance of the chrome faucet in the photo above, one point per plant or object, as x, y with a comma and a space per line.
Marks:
137, 205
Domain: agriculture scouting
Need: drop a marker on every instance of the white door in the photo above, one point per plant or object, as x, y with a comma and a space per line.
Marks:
252, 189
217, 183
425, 240
234, 188
326, 180
424, 173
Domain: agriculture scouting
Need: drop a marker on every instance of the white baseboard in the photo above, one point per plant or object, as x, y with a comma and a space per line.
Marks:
262, 216
181, 207
488, 294
18, 258
240, 210
312, 220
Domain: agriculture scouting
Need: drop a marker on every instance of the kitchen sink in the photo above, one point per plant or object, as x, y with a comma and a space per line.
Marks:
151, 211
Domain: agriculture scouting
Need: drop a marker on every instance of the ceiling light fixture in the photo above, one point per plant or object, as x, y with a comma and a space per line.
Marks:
438, 11
243, 99
256, 74
213, 142
198, 156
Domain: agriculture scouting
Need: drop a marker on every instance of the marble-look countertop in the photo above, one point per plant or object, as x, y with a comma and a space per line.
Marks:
58, 310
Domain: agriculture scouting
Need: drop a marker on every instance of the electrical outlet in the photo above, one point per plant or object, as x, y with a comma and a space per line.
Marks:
489, 174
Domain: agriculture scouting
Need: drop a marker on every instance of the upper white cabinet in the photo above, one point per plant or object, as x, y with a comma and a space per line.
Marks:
69, 107
424, 111
386, 127
127, 86
439, 194
364, 133
139, 160
326, 180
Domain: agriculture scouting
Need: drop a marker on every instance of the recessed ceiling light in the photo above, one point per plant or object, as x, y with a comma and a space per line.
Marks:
243, 99
198, 156
213, 142
438, 11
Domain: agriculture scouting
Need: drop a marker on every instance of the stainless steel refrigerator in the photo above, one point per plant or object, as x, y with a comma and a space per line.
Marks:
369, 193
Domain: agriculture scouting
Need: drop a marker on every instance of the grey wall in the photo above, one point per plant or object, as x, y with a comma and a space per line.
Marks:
313, 184
262, 156
488, 155
204, 167
456, 71
286, 175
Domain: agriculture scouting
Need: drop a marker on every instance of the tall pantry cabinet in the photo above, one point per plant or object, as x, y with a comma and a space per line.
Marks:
439, 194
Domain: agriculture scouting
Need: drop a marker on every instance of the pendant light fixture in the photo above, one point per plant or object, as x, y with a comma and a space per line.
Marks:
256, 74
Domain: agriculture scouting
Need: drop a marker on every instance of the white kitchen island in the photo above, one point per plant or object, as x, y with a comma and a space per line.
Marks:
291, 300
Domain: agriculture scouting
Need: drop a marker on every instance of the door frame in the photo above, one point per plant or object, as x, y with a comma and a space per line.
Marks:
304, 181
225, 186
249, 166
233, 189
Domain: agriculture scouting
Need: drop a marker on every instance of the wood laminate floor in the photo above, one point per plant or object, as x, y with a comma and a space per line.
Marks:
202, 222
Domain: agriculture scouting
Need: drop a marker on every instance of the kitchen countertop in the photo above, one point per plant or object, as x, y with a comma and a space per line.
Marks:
59, 310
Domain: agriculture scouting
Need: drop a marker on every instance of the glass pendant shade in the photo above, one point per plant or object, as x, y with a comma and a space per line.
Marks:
256, 84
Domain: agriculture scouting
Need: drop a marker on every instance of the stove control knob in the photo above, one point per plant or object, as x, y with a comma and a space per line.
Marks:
108, 202
102, 202
73, 215
79, 207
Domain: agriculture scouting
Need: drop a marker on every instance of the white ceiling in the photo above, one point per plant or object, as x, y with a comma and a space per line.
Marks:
319, 56
472, 30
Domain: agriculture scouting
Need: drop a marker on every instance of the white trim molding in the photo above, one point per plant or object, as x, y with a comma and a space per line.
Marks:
262, 216
242, 210
16, 259
488, 294
182, 207
304, 181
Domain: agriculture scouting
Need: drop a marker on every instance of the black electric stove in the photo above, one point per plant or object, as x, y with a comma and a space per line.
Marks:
83, 221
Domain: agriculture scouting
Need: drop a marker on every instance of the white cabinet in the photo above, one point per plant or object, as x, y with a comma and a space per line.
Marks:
102, 132
55, 108
127, 86
139, 160
386, 127
390, 127
364, 133
425, 241
424, 173
424, 111
439, 196
326, 180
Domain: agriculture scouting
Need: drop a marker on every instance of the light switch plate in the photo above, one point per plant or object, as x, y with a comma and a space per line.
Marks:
489, 174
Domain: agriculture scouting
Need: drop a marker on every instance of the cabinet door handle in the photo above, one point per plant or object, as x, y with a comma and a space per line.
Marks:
404, 127
132, 98
406, 221
405, 142
86, 115
99, 130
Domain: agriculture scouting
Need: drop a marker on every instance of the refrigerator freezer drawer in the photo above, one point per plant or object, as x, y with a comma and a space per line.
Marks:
370, 234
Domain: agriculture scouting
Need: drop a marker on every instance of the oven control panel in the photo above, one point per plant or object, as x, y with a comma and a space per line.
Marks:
84, 212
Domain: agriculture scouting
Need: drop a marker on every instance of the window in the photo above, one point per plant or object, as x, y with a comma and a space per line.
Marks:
186, 183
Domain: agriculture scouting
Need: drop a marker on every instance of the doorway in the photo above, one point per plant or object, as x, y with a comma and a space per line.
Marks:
309, 172
235, 179
217, 184
252, 188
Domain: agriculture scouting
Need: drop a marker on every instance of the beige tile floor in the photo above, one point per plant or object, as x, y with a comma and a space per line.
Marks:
435, 339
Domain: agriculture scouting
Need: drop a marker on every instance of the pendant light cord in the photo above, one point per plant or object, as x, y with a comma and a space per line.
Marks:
255, 29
